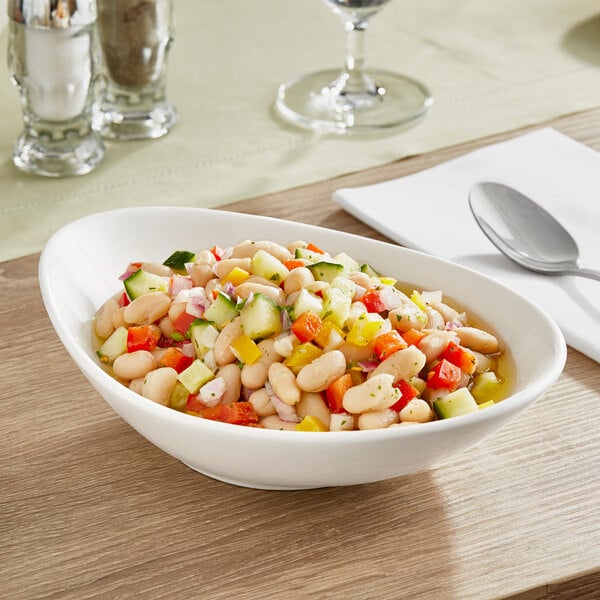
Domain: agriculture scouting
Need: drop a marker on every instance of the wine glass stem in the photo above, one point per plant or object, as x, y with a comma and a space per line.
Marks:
353, 78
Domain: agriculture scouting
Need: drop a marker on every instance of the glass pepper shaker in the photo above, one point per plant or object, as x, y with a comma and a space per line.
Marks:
135, 37
54, 62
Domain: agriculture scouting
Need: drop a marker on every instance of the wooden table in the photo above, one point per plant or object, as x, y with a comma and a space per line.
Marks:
89, 509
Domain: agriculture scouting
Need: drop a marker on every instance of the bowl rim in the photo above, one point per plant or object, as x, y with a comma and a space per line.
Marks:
508, 407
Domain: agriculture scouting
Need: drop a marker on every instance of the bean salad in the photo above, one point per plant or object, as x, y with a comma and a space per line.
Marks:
292, 337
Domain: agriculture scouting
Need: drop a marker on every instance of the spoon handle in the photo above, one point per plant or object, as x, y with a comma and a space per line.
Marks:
589, 273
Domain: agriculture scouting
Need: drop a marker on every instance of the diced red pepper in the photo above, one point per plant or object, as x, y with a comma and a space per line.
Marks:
314, 248
388, 343
124, 300
217, 252
412, 337
444, 375
142, 337
194, 404
236, 413
307, 326
408, 393
176, 359
182, 322
372, 301
335, 393
459, 356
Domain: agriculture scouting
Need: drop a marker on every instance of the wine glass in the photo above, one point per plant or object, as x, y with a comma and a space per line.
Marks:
353, 100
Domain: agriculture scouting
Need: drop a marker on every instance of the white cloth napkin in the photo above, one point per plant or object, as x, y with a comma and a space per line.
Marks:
429, 211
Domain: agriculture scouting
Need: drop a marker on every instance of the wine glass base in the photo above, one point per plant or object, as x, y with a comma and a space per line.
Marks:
313, 102
50, 159
138, 124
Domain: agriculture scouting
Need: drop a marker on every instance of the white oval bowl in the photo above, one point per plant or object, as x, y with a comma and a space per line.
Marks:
78, 271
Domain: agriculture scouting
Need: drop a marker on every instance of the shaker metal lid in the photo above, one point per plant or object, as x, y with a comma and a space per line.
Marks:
55, 14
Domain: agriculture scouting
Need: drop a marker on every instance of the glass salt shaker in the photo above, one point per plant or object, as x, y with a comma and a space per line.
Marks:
54, 62
135, 37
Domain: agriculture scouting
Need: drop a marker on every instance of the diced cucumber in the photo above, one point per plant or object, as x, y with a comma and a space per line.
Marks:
114, 345
222, 310
337, 299
486, 386
459, 402
261, 317
195, 376
178, 260
203, 335
369, 270
326, 270
142, 282
178, 397
304, 302
308, 255
267, 266
347, 261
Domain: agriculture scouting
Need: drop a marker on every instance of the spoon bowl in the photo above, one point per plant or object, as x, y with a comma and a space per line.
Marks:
524, 231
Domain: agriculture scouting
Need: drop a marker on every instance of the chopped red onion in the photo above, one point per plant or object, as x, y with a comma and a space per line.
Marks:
212, 392
284, 411
131, 269
366, 366
188, 349
180, 283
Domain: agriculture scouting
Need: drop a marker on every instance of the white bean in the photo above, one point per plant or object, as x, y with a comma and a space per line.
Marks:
249, 248
147, 308
406, 317
417, 410
313, 404
318, 375
283, 383
377, 419
434, 319
255, 375
243, 290
157, 269
261, 401
376, 393
201, 274
435, 343
133, 364
118, 318
477, 339
158, 385
103, 323
274, 422
224, 267
341, 422
135, 385
222, 352
403, 364
297, 279
231, 374
352, 352
483, 363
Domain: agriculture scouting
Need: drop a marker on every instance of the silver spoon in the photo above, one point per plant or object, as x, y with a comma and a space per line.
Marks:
525, 232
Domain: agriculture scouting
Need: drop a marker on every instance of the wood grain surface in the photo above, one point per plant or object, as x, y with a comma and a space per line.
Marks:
91, 510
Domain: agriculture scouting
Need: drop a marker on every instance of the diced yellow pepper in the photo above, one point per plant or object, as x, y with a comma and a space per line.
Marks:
365, 328
236, 276
310, 423
416, 298
388, 280
245, 349
302, 355
329, 335
486, 404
